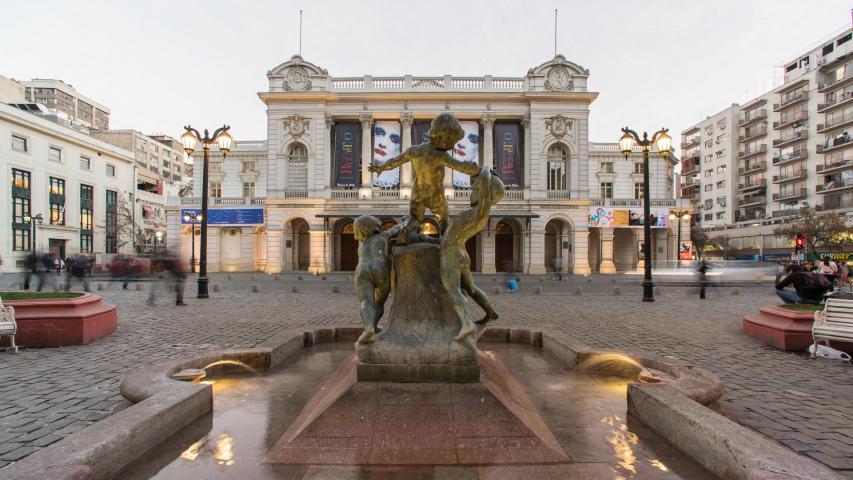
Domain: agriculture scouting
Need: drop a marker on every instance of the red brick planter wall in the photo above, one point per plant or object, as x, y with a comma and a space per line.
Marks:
784, 329
62, 322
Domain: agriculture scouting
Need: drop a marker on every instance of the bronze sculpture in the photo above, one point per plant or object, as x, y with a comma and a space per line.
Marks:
487, 189
428, 162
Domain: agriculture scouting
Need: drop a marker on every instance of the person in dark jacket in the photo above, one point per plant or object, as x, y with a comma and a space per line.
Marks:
807, 287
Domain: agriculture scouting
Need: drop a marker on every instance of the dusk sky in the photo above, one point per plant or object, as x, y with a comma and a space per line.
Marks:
160, 65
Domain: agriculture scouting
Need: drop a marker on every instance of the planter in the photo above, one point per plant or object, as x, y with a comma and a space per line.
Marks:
62, 322
785, 329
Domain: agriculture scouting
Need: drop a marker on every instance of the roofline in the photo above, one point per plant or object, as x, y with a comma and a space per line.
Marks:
333, 97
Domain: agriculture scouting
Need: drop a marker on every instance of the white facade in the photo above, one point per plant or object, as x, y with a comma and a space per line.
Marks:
37, 159
554, 173
792, 151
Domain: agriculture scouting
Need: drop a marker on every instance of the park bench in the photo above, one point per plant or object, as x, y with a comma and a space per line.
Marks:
834, 322
8, 327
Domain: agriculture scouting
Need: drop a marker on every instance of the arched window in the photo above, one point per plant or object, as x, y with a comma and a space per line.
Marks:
297, 167
558, 167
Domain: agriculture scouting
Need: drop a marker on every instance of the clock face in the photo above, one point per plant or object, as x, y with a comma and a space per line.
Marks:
558, 78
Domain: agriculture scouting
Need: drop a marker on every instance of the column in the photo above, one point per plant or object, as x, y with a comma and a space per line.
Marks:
536, 249
328, 167
406, 121
274, 248
661, 240
488, 249
320, 246
607, 265
366, 190
488, 149
637, 235
580, 253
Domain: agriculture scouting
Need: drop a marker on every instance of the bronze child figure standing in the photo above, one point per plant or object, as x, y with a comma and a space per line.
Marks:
428, 162
487, 189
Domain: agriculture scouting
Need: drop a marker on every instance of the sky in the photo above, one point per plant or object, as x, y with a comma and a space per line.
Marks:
159, 65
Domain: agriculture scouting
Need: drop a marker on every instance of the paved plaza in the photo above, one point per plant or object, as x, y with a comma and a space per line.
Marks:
46, 394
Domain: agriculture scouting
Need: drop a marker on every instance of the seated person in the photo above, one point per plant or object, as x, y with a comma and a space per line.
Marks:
807, 286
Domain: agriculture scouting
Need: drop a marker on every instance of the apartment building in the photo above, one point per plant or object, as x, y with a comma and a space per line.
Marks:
160, 159
794, 151
62, 97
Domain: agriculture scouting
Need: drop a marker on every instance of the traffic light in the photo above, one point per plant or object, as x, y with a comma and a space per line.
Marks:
800, 242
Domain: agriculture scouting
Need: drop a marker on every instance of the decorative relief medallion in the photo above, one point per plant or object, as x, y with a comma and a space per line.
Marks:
558, 125
558, 78
296, 79
296, 125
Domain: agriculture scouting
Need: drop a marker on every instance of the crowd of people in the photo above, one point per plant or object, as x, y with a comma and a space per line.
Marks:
811, 283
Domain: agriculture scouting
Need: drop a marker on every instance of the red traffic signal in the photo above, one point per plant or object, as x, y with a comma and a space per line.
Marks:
801, 241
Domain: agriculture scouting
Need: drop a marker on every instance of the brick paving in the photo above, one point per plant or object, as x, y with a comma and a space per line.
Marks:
46, 394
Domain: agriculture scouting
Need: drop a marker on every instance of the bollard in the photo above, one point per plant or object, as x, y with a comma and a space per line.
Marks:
541, 280
658, 291
497, 290
335, 289
294, 289
251, 277
256, 288
735, 292
578, 290
323, 277
538, 291
299, 277
140, 287
276, 278
229, 277
100, 286
612, 280
617, 291
215, 287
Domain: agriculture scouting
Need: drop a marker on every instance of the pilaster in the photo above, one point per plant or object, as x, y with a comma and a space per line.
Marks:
366, 190
607, 266
580, 253
488, 122
406, 121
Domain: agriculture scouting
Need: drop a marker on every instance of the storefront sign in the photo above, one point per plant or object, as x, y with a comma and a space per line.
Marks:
466, 150
627, 217
347, 153
508, 153
227, 216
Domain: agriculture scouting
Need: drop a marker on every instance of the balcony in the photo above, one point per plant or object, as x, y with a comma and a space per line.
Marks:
753, 134
689, 131
801, 154
799, 175
754, 151
749, 216
795, 137
834, 204
224, 201
690, 142
790, 195
689, 182
834, 186
292, 193
836, 123
795, 119
751, 117
843, 100
386, 193
788, 212
838, 143
344, 193
753, 167
753, 200
688, 168
834, 167
790, 100
836, 82
752, 185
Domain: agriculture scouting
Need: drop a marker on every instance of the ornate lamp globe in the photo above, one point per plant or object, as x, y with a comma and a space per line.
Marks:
664, 143
224, 140
187, 217
626, 144
188, 140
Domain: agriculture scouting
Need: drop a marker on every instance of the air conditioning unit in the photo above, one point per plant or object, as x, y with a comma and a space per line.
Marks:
821, 61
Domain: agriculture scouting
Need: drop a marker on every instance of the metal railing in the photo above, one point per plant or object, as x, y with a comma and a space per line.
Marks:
410, 82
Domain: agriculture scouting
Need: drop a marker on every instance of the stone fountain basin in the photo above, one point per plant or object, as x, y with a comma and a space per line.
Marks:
674, 408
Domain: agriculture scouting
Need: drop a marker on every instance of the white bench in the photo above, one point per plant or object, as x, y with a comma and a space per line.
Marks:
834, 322
8, 326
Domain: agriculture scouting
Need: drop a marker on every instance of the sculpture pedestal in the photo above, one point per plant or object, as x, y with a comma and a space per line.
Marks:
417, 344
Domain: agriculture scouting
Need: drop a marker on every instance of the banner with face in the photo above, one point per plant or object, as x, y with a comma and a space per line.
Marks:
466, 150
386, 145
347, 154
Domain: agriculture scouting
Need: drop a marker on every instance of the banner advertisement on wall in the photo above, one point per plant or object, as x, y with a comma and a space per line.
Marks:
626, 217
466, 150
508, 153
685, 252
347, 154
386, 145
227, 216
420, 133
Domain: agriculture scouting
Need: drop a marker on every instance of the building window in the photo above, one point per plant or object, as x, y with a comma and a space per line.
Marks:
709, 158
709, 216
215, 189
607, 189
111, 170
249, 166
638, 167
721, 169
709, 204
85, 163
87, 193
721, 184
709, 172
638, 190
844, 39
558, 165
721, 215
140, 144
297, 167
709, 143
248, 189
606, 167
54, 154
111, 225
57, 201
19, 143
21, 195
708, 187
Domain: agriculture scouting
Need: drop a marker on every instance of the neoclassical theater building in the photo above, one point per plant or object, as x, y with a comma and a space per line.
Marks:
288, 202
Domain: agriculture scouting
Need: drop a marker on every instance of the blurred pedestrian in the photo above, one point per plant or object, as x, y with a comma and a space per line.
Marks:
125, 270
47, 264
558, 268
512, 284
843, 274
828, 269
703, 277
174, 276
80, 266
30, 268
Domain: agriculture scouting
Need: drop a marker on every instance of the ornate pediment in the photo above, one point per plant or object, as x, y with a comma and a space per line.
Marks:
296, 74
559, 74
558, 125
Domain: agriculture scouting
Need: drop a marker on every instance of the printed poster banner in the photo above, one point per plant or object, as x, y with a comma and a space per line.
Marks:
467, 150
347, 154
227, 216
508, 153
420, 133
627, 217
386, 145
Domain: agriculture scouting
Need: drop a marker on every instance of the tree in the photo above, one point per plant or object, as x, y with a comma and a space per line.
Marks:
827, 231
700, 240
721, 242
120, 223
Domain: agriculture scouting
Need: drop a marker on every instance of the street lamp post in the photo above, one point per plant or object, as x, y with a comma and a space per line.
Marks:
189, 139
663, 142
32, 221
192, 220
679, 215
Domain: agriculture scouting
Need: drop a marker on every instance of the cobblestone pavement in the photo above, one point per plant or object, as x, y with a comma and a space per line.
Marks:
46, 394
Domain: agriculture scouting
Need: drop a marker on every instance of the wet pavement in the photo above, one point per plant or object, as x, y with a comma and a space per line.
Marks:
586, 413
